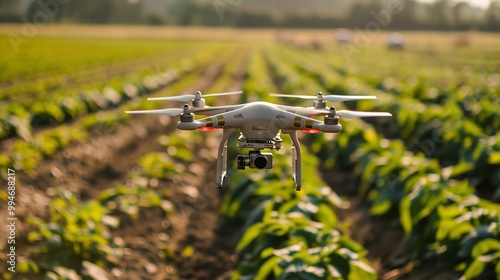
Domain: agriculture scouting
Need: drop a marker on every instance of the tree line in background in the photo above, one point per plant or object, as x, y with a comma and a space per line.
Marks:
439, 15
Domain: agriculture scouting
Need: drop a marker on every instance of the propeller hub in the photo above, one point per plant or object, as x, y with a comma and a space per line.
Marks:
329, 120
197, 95
187, 116
186, 110
333, 112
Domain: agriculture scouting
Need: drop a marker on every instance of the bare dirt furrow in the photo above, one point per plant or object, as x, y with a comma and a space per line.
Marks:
87, 168
154, 243
213, 242
6, 144
107, 157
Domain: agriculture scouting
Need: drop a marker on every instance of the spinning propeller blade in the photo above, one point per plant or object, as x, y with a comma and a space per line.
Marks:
359, 114
348, 114
331, 98
189, 97
174, 112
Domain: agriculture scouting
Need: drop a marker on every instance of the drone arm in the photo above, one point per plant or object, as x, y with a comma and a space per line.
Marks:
296, 159
222, 156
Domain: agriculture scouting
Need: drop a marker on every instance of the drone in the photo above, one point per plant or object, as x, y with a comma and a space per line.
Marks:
260, 124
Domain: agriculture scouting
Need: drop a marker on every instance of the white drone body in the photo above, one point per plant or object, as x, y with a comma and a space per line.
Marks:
260, 124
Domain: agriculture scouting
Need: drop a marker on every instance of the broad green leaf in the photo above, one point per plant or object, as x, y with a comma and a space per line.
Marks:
333, 271
494, 158
461, 230
307, 206
28, 266
485, 246
468, 242
381, 205
350, 244
361, 270
326, 215
309, 233
474, 269
493, 207
308, 258
251, 234
277, 270
450, 211
405, 216
287, 252
288, 206
461, 168
266, 253
267, 267
277, 228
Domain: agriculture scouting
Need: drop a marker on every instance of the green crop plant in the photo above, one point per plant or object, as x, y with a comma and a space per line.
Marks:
75, 234
287, 245
290, 233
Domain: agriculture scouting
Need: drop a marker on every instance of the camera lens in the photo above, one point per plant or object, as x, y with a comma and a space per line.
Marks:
260, 162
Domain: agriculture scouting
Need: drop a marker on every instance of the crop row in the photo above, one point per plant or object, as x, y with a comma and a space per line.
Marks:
44, 56
439, 131
288, 233
443, 219
26, 155
81, 236
46, 108
90, 76
81, 239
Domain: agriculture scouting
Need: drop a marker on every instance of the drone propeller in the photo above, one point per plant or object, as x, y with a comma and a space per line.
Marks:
348, 114
359, 114
196, 96
331, 98
174, 112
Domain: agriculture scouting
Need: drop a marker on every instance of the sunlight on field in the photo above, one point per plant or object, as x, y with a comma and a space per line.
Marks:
104, 194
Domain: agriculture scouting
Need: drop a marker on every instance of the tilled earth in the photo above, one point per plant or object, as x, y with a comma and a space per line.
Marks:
104, 161
156, 244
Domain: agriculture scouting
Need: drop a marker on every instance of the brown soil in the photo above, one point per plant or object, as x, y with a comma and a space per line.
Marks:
382, 238
104, 161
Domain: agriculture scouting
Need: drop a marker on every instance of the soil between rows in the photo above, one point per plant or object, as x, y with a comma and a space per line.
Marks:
103, 162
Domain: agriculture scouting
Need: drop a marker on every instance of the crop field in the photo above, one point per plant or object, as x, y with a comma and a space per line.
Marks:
99, 194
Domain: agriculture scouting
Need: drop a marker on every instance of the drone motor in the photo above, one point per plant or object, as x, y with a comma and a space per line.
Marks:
260, 124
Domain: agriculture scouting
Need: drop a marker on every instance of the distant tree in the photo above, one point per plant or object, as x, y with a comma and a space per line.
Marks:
254, 20
308, 21
154, 20
442, 15
406, 19
360, 14
9, 10
492, 17
464, 16
182, 11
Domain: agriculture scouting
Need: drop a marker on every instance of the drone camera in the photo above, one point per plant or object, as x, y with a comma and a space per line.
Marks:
255, 159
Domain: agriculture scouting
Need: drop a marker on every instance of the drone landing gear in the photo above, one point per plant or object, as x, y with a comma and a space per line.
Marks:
222, 156
296, 159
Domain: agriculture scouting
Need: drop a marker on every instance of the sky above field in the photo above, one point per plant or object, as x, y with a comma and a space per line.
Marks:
478, 3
